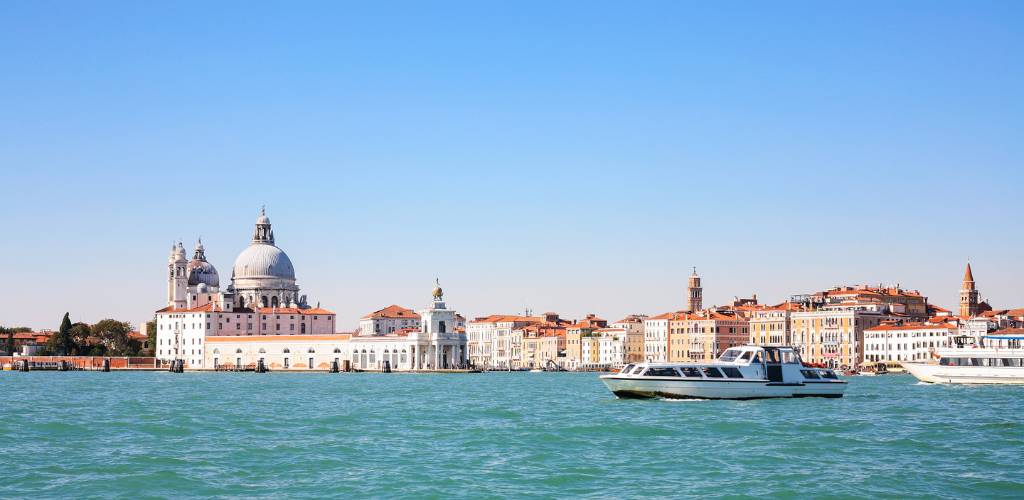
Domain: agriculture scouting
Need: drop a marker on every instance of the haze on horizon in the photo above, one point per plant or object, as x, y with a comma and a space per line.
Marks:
569, 157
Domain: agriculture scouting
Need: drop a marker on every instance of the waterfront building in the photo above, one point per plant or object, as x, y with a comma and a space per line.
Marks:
656, 330
574, 335
602, 348
772, 325
702, 336
634, 327
834, 336
389, 320
489, 338
906, 342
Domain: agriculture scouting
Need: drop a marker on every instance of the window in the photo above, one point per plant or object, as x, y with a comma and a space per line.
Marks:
690, 372
711, 372
661, 372
286, 362
286, 350
731, 372
310, 363
810, 374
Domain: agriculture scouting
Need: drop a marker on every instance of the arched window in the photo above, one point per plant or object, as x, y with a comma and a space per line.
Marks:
302, 329
241, 302
238, 351
336, 350
287, 350
263, 351
440, 327
216, 351
311, 350
263, 301
273, 302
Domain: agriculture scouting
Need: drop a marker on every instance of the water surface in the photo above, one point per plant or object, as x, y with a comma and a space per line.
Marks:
87, 434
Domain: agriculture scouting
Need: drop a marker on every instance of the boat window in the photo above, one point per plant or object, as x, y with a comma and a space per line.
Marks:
689, 371
810, 374
731, 372
828, 374
1014, 362
729, 355
661, 372
746, 356
945, 361
788, 357
975, 361
626, 369
757, 358
638, 370
712, 372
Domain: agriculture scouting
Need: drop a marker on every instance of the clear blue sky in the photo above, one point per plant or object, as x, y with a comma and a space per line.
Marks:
576, 157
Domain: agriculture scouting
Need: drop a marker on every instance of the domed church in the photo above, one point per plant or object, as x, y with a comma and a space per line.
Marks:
262, 299
263, 275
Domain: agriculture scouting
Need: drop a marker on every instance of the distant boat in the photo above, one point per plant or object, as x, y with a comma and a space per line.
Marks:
970, 364
748, 372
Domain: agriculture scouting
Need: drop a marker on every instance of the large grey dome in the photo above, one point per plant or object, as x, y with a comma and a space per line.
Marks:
263, 260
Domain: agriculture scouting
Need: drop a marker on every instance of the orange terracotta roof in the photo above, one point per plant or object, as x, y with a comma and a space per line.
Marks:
393, 311
968, 275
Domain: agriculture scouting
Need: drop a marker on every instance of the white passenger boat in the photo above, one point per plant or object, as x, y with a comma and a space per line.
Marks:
747, 372
971, 364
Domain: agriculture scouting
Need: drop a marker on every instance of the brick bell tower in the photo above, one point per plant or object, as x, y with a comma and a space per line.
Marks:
968, 295
694, 302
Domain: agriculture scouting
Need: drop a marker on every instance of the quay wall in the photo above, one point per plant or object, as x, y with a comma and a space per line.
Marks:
89, 362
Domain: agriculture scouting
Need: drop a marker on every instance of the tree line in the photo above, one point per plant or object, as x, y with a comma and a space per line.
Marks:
108, 337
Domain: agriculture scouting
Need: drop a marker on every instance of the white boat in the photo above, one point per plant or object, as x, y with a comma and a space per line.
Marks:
747, 372
970, 364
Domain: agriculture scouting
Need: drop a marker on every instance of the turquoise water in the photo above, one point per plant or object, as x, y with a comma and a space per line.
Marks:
157, 434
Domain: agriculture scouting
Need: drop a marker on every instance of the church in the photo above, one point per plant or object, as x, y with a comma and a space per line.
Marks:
262, 317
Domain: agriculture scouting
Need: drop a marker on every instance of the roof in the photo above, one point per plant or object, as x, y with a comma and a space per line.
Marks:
968, 275
277, 338
912, 326
261, 310
507, 318
393, 311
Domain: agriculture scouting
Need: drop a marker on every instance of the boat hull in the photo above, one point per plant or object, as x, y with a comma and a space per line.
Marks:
674, 388
940, 374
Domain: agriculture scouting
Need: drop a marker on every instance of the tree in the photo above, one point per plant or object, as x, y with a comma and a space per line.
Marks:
80, 333
10, 339
151, 334
61, 343
113, 335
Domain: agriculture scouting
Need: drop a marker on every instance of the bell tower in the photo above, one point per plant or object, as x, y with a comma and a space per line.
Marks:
968, 295
695, 300
177, 277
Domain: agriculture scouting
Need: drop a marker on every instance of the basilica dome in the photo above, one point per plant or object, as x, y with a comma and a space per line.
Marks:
199, 271
202, 272
263, 260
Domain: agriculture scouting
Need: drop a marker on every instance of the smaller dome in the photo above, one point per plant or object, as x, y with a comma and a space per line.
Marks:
202, 272
202, 288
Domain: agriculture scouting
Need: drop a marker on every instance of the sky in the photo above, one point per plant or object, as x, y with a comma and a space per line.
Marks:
577, 157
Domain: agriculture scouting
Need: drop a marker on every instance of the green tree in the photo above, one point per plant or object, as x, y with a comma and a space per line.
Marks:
113, 336
80, 333
61, 343
10, 339
151, 334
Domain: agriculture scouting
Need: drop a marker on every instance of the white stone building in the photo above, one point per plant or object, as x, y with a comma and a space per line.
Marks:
907, 342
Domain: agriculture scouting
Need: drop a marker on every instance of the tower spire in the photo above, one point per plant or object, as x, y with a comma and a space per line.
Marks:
969, 306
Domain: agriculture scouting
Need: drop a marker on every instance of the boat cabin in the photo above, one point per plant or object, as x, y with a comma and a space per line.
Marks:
779, 365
